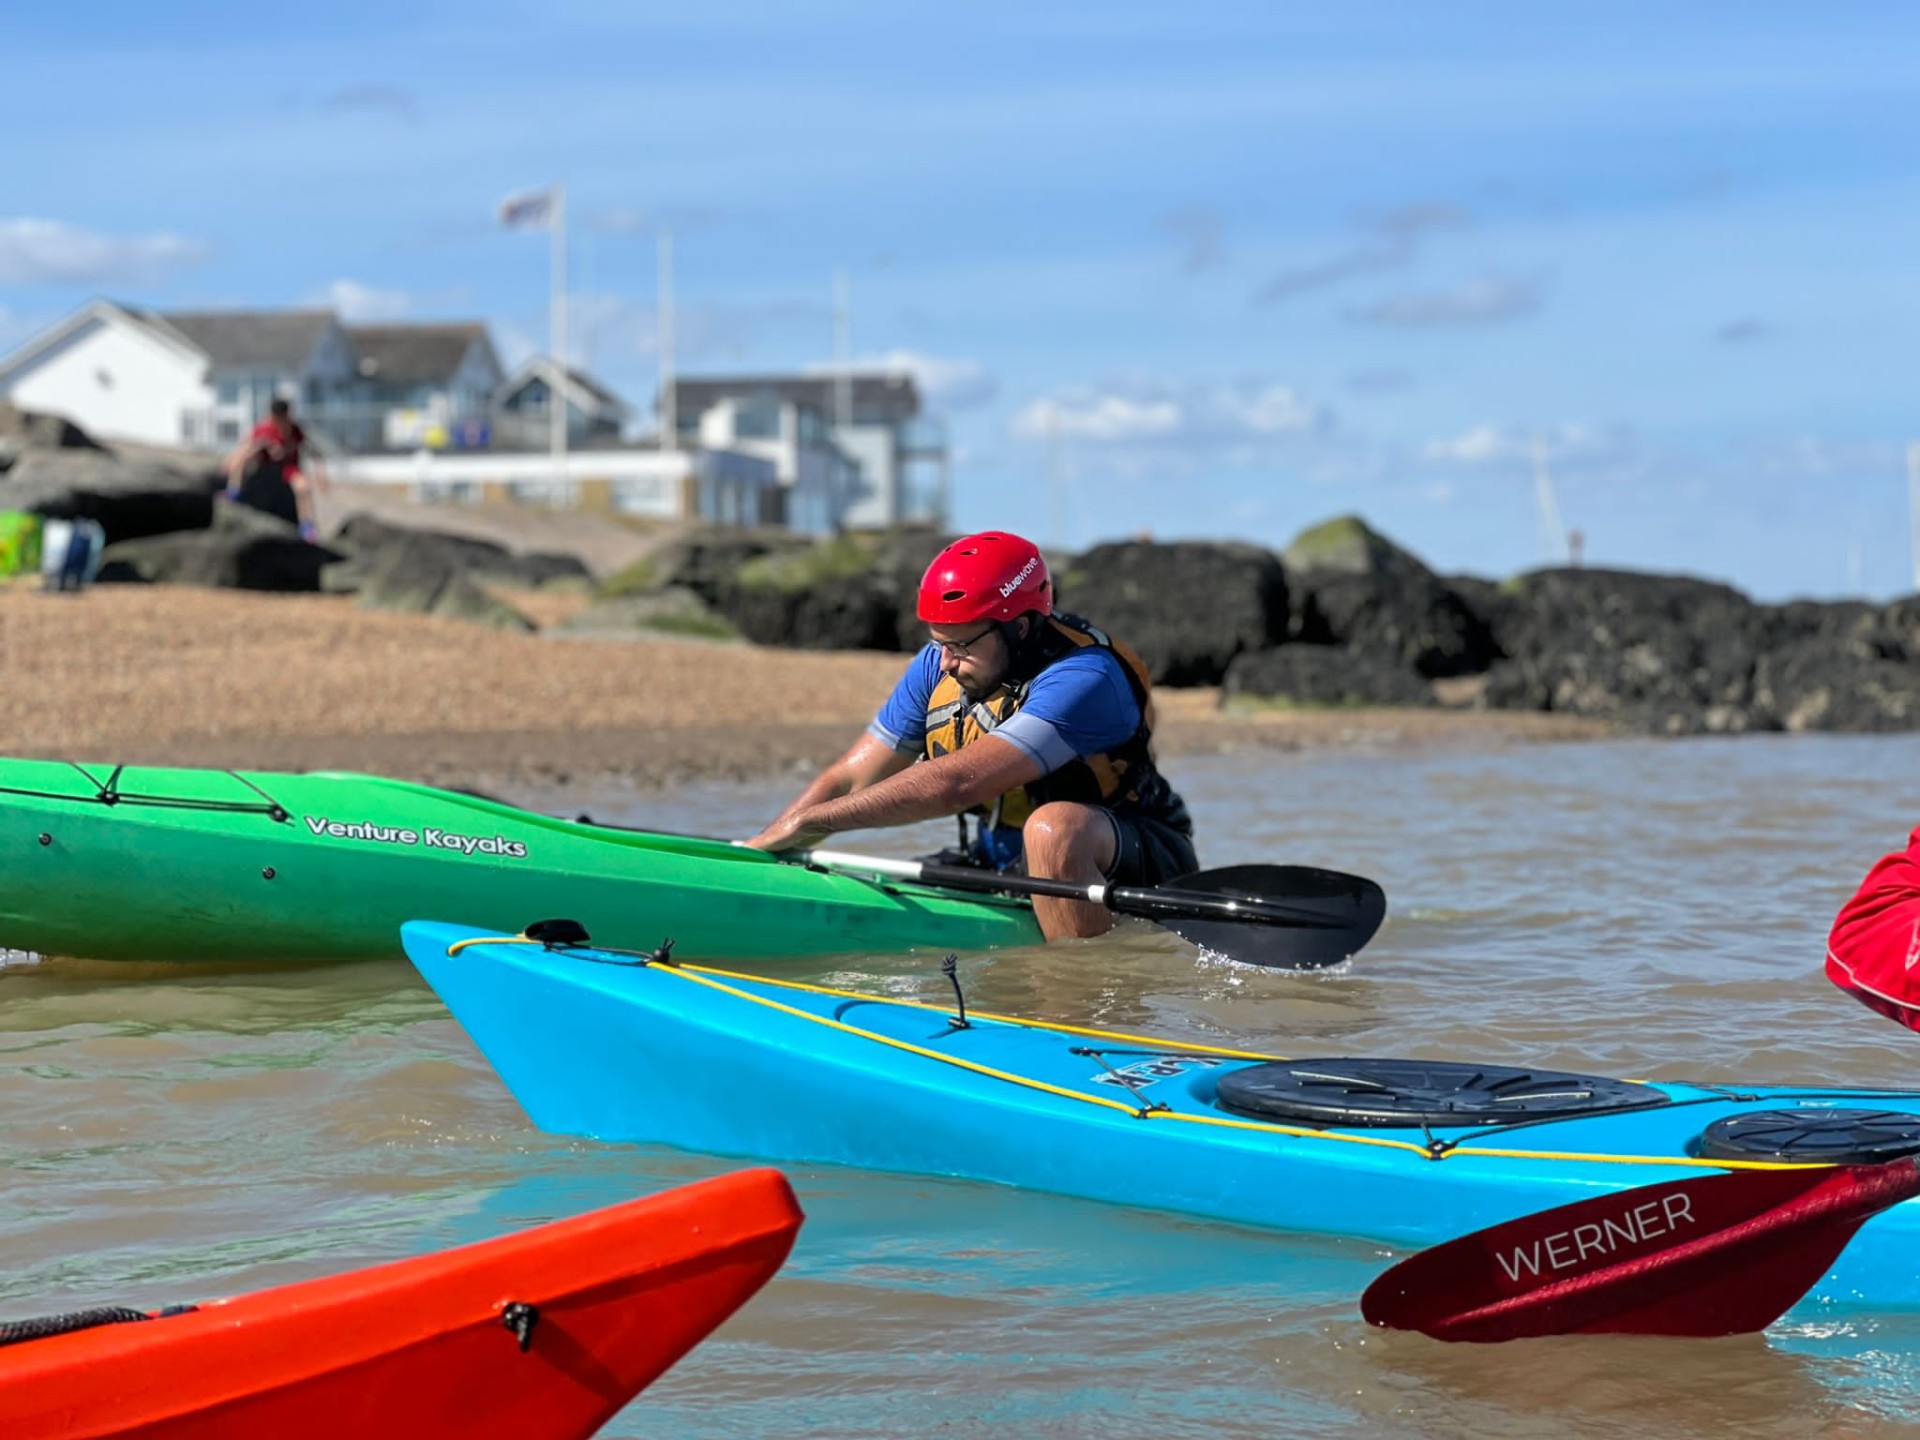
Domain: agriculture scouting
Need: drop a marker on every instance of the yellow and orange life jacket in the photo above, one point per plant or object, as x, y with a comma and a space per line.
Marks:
1122, 776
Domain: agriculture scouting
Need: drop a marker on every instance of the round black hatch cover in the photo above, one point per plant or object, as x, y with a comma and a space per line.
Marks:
1417, 1092
1834, 1137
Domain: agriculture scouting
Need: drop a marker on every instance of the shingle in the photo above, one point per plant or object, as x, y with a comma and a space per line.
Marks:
414, 354
252, 339
893, 395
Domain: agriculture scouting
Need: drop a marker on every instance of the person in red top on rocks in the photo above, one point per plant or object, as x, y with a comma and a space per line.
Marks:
1874, 951
265, 471
1035, 721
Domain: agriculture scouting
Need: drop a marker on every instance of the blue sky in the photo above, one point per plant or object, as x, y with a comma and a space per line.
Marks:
1248, 265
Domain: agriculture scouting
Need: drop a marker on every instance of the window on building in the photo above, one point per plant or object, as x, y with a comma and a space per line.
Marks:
756, 422
227, 431
228, 392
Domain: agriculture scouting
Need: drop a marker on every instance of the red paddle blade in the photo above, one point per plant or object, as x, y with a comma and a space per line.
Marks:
1718, 1255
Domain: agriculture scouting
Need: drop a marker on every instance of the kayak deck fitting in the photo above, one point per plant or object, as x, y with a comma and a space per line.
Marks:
618, 1048
119, 862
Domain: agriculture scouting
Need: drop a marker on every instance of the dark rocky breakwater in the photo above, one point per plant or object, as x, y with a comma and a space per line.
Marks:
1341, 617
1344, 617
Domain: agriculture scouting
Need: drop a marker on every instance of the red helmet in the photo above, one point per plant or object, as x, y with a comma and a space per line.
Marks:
989, 576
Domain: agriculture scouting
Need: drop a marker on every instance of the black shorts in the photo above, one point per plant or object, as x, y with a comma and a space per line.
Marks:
1148, 850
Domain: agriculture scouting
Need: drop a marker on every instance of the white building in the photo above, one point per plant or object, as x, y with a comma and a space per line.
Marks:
722, 487
194, 378
205, 378
853, 452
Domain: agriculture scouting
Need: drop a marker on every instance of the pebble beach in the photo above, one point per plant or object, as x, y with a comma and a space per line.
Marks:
174, 675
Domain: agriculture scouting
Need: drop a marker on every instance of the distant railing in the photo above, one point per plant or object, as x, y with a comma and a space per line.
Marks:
365, 429
926, 435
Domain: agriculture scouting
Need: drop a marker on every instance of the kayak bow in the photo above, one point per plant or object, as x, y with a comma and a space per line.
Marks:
540, 1335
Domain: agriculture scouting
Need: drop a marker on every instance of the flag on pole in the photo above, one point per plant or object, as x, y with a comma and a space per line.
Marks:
527, 209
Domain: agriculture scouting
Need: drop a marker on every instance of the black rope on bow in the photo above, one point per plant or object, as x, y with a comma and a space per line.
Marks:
12, 1332
950, 967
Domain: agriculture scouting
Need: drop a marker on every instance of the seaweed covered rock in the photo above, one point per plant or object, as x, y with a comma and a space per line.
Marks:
1661, 653
1324, 675
369, 545
675, 611
131, 498
423, 578
23, 430
706, 561
243, 549
1189, 607
825, 597
1813, 684
1354, 587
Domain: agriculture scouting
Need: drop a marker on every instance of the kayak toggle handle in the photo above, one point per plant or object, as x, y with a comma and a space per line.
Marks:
950, 967
520, 1317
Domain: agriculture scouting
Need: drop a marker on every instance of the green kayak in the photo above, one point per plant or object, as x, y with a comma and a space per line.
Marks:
144, 863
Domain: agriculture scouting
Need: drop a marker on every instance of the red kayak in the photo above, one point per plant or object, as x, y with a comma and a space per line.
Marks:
1874, 951
538, 1335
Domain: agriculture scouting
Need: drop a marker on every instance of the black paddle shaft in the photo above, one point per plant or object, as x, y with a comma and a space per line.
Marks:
1154, 904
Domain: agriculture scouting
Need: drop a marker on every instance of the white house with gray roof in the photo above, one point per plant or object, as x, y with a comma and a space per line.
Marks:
204, 378
197, 378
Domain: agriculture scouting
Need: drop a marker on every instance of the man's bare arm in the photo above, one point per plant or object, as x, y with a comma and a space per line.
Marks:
868, 761
948, 785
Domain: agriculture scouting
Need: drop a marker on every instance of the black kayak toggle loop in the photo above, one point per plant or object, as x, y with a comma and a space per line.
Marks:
1813, 1134
13, 1332
1418, 1093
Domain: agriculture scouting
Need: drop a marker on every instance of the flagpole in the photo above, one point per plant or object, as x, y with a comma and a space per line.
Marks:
557, 322
669, 410
842, 353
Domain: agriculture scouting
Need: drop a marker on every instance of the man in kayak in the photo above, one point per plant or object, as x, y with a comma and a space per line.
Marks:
1874, 951
265, 470
1034, 721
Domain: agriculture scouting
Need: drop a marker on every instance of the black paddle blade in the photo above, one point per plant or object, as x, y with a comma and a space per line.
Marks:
1351, 905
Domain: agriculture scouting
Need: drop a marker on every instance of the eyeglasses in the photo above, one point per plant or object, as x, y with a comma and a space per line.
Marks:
959, 650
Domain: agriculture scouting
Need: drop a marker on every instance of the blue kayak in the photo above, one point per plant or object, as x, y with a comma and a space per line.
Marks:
611, 1046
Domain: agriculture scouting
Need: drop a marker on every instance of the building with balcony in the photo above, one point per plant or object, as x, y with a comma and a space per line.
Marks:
853, 451
419, 386
522, 407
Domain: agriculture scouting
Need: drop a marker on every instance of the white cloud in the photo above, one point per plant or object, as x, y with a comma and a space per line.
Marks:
1571, 444
362, 304
1478, 302
1105, 418
1483, 444
51, 252
1812, 456
1239, 417
1274, 410
945, 381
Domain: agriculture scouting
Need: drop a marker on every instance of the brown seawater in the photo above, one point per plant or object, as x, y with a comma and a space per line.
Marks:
1632, 908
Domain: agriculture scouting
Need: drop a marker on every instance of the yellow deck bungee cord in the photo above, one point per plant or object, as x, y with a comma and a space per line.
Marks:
715, 980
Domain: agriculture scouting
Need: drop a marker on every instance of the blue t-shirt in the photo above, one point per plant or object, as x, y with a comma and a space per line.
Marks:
1079, 705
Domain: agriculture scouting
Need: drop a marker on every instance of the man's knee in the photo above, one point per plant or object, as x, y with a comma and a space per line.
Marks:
1063, 834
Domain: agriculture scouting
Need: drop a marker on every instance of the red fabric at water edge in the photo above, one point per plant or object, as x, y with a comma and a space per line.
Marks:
1874, 950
